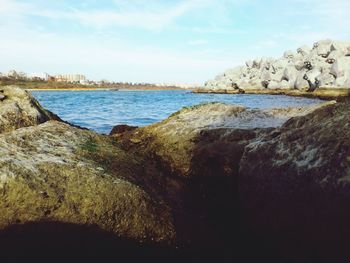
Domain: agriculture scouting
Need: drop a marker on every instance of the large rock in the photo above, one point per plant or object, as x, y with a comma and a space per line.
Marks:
249, 63
174, 139
300, 82
19, 109
202, 146
343, 47
280, 64
276, 75
207, 176
290, 73
312, 78
294, 184
49, 173
213, 147
334, 56
324, 48
304, 50
289, 54
53, 172
326, 79
341, 68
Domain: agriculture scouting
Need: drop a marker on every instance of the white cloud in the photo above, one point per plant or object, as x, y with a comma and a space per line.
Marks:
12, 6
153, 15
114, 61
198, 42
150, 15
35, 50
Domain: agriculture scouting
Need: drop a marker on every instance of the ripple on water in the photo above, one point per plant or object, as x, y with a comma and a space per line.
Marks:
101, 110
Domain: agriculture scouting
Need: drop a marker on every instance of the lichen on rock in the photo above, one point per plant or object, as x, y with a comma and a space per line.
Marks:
204, 177
19, 109
174, 139
52, 171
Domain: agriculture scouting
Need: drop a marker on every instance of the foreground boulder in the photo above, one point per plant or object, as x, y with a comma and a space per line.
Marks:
48, 173
274, 181
201, 147
19, 109
53, 172
294, 185
176, 138
222, 177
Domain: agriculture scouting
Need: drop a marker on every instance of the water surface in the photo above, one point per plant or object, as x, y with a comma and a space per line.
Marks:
101, 110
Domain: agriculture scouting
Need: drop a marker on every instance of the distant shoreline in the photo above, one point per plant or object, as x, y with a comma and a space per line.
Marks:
102, 89
57, 86
65, 89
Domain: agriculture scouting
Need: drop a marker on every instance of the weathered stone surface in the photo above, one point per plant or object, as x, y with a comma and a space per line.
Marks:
273, 85
334, 56
249, 63
19, 109
205, 145
290, 73
190, 177
53, 172
299, 65
326, 56
284, 84
341, 68
119, 129
300, 82
324, 48
174, 139
343, 47
304, 50
326, 79
289, 54
311, 78
294, 182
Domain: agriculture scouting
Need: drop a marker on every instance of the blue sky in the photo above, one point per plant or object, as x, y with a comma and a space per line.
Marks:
173, 41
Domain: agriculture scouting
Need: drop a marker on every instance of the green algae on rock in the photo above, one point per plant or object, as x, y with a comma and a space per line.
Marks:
47, 174
174, 139
250, 170
296, 179
197, 179
52, 171
18, 109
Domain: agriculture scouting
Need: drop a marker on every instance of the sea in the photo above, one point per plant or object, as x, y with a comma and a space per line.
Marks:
101, 110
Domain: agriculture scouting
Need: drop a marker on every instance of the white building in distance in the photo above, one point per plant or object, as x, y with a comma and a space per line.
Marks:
41, 76
71, 78
16, 74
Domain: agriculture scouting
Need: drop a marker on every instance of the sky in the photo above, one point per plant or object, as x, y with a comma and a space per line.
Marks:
159, 41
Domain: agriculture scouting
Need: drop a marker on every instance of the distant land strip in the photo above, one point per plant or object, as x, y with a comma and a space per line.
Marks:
50, 85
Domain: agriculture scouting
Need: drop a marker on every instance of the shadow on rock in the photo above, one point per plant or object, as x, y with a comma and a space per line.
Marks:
60, 241
213, 219
63, 242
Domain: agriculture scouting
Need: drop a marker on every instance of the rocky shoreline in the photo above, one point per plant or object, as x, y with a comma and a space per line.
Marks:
212, 181
321, 93
321, 71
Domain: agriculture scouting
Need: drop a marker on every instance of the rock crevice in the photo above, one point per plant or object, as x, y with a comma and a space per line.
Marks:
209, 176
